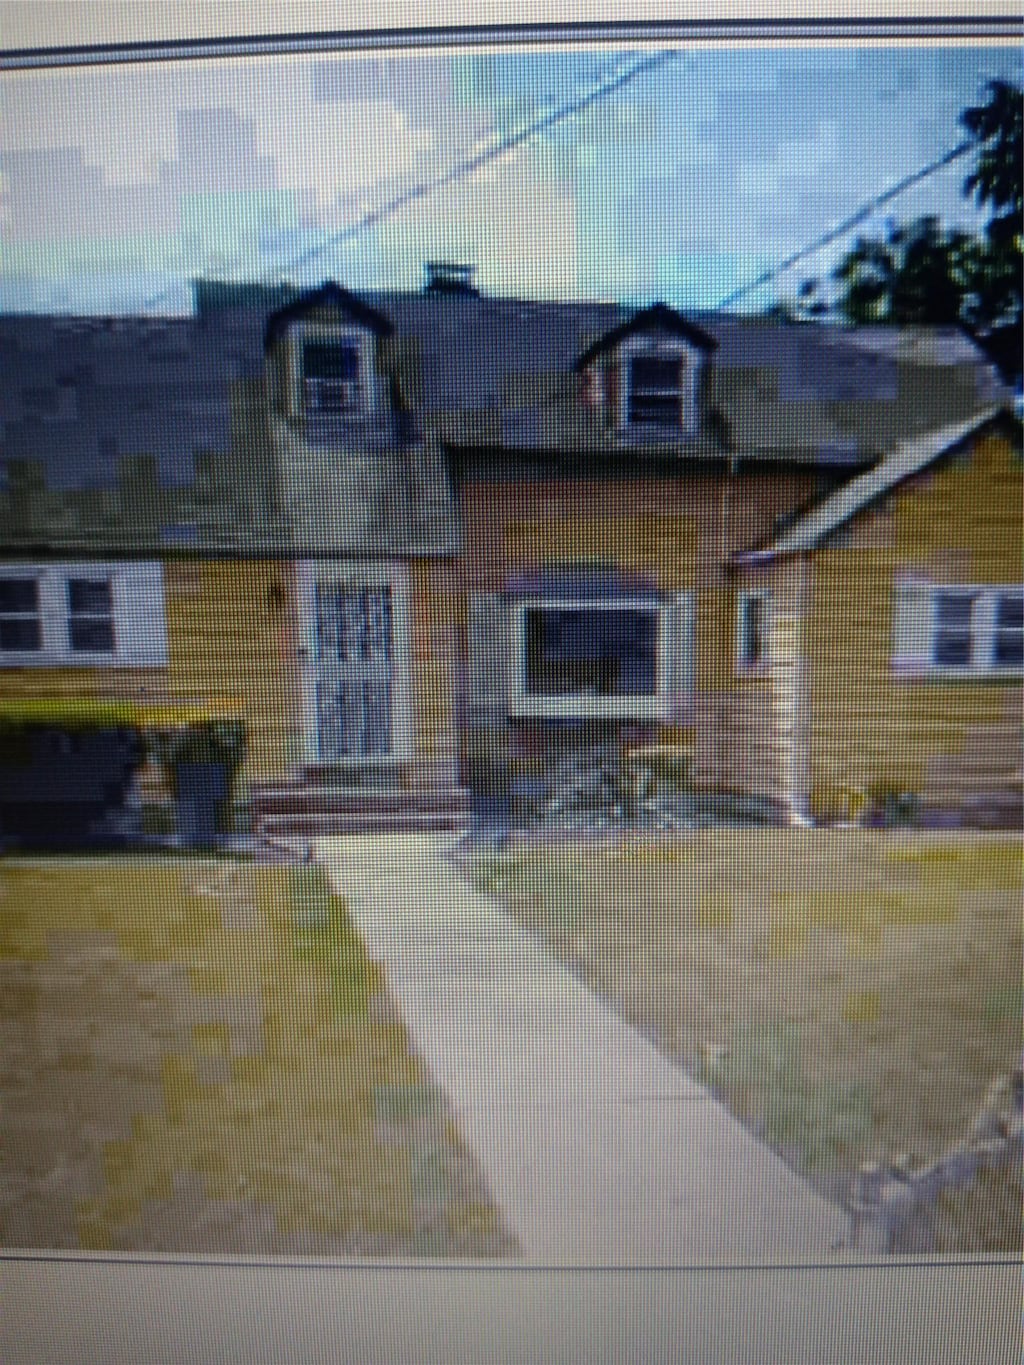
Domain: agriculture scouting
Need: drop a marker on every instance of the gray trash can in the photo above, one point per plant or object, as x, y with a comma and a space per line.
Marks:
202, 790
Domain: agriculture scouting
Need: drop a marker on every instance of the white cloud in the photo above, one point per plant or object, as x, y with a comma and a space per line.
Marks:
334, 149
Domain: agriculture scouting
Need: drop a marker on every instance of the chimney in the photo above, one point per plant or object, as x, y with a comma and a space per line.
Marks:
450, 277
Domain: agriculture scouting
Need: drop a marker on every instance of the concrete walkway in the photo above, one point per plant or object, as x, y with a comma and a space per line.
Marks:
595, 1147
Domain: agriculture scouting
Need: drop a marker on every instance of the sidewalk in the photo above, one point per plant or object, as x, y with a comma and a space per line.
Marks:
595, 1147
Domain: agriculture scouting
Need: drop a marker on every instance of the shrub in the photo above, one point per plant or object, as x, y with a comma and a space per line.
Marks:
65, 770
891, 807
21, 721
60, 713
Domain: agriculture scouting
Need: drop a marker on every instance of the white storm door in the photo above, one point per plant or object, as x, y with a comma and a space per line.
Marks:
357, 703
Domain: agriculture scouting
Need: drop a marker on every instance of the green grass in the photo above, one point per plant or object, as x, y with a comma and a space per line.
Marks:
324, 936
859, 989
815, 1121
221, 1022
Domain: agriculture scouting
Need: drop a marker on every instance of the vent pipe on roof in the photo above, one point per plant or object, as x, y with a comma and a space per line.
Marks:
450, 277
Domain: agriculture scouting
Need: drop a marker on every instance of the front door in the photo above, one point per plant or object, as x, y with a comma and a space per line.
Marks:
354, 682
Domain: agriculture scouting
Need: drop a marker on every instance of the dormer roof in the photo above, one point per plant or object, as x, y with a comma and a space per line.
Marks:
329, 296
657, 318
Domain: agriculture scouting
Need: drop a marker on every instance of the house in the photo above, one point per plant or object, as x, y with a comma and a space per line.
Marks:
422, 540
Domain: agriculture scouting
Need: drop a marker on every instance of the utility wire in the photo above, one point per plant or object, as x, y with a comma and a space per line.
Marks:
846, 225
462, 168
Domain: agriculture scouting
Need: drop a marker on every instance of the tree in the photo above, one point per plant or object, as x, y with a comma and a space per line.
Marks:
922, 272
918, 273
997, 178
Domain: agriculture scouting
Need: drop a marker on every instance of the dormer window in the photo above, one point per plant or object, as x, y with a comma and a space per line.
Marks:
330, 377
329, 339
658, 387
654, 391
333, 375
646, 372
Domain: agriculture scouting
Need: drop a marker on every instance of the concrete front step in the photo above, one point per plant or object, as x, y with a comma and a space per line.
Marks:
316, 825
308, 800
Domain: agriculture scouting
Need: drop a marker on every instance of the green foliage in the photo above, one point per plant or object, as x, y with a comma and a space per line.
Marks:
918, 273
997, 180
19, 719
927, 274
66, 714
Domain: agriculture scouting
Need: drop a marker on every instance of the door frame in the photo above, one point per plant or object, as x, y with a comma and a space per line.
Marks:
370, 574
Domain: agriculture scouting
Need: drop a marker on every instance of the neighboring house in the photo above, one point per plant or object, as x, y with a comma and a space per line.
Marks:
419, 540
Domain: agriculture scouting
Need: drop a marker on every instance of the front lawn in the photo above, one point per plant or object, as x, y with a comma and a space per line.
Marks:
198, 1056
850, 994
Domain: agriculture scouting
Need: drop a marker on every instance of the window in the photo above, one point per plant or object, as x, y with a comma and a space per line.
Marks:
1008, 650
752, 630
952, 642
655, 390
331, 377
85, 613
965, 630
599, 659
90, 616
20, 624
591, 651
657, 387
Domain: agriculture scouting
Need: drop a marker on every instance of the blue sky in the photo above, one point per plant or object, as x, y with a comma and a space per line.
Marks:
117, 185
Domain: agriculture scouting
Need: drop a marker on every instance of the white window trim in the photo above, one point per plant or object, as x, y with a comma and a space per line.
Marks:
764, 595
370, 575
663, 348
133, 647
306, 332
983, 631
920, 663
640, 708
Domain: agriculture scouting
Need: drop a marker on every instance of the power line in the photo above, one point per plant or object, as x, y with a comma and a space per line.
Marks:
847, 224
462, 168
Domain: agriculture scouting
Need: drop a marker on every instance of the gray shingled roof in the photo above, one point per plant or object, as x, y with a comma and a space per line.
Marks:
153, 432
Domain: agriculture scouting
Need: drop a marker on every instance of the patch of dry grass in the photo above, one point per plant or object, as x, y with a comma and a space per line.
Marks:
200, 1057
850, 993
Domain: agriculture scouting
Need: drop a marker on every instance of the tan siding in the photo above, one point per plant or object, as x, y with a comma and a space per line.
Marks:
231, 639
941, 740
436, 620
679, 532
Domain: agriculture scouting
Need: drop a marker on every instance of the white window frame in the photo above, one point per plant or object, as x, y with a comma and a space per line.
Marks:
36, 615
919, 659
641, 708
747, 667
105, 616
996, 594
983, 631
137, 599
307, 333
661, 348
